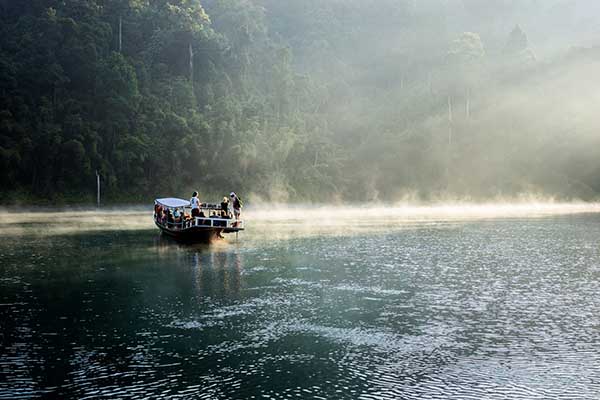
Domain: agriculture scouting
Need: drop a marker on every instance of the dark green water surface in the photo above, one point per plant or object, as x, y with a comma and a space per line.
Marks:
492, 309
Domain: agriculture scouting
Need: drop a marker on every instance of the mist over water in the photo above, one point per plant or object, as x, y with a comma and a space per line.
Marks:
443, 302
272, 221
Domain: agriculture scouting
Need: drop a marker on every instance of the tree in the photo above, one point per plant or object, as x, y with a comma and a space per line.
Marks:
517, 41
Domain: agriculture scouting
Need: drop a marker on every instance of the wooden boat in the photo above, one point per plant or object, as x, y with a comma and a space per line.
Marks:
173, 217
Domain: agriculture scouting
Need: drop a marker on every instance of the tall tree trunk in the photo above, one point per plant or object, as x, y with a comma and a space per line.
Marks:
450, 120
191, 51
449, 147
468, 104
120, 34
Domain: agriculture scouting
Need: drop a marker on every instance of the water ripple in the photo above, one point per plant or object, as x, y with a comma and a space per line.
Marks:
494, 309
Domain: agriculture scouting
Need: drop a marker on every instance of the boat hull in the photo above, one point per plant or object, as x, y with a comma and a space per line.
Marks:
193, 234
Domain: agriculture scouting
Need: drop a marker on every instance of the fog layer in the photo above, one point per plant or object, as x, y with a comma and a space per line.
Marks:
282, 222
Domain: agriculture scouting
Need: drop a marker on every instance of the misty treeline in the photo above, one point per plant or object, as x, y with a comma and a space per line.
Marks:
298, 100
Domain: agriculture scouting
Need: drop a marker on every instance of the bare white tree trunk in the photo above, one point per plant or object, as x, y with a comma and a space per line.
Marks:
468, 104
191, 51
98, 188
450, 120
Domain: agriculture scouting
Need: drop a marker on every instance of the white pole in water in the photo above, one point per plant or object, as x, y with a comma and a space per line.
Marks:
98, 188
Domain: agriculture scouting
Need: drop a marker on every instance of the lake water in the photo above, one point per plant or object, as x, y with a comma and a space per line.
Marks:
498, 302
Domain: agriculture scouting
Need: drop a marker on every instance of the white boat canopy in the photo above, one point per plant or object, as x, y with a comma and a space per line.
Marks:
173, 202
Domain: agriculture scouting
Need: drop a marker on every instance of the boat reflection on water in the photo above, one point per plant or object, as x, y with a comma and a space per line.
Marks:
216, 269
218, 274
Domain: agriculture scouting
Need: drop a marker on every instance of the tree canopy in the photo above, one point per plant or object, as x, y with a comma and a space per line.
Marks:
291, 101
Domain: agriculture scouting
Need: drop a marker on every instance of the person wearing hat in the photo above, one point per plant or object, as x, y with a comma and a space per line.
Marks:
236, 205
195, 205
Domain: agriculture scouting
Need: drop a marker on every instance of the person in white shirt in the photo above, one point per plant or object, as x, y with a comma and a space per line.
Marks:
195, 205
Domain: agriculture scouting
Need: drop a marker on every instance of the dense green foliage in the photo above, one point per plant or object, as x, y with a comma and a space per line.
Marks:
291, 100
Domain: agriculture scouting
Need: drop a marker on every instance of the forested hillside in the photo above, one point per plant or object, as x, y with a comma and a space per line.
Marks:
299, 99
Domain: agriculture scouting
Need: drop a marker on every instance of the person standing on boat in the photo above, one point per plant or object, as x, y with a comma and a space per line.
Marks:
236, 205
195, 205
225, 206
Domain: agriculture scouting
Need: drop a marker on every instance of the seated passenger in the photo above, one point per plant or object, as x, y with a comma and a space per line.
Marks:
176, 216
200, 220
186, 218
220, 223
